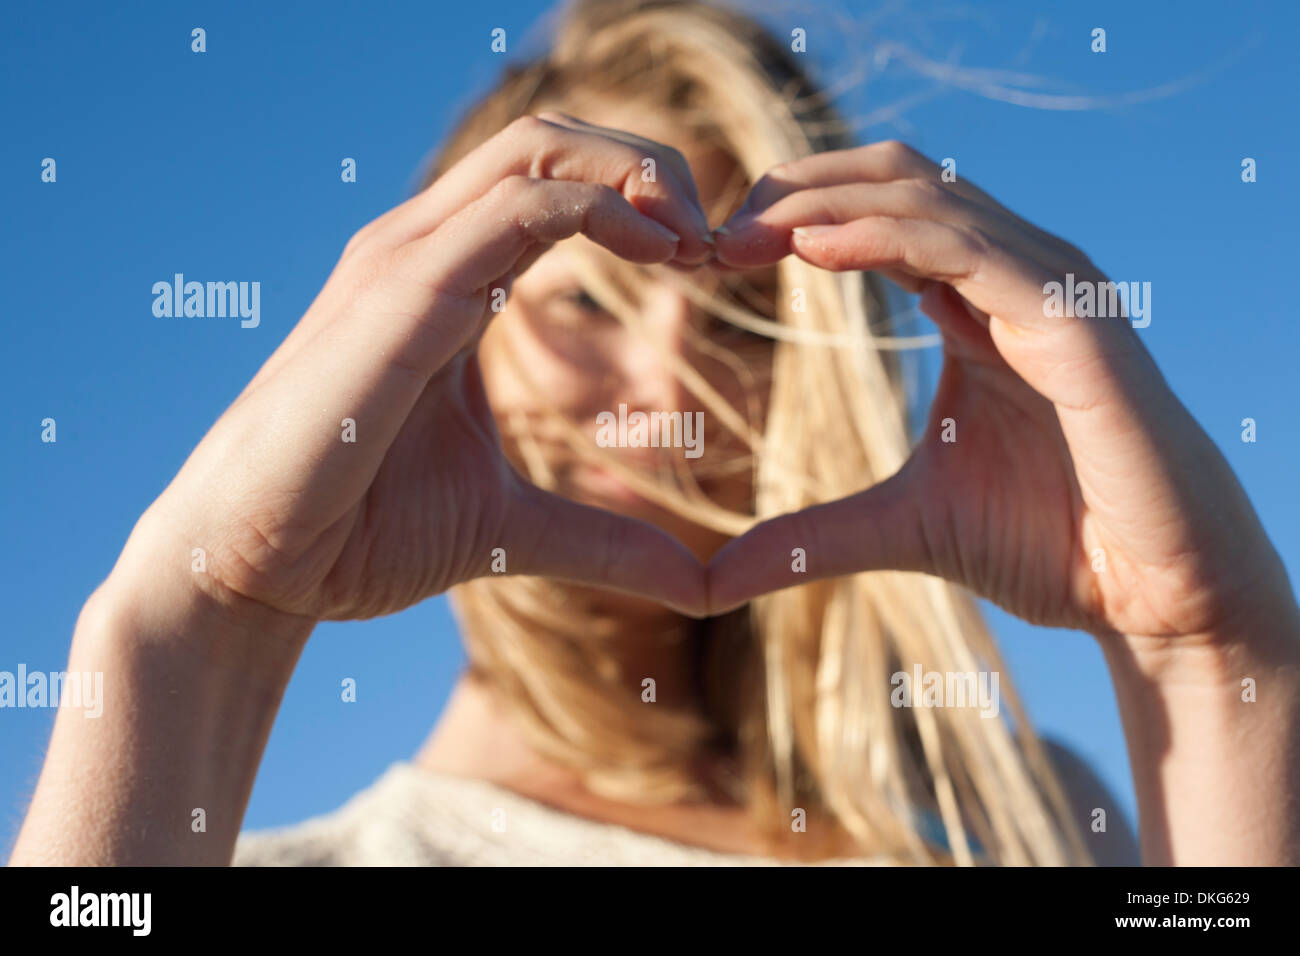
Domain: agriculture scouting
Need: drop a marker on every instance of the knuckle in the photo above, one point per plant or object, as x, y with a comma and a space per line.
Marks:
352, 248
930, 192
513, 189
361, 240
898, 153
516, 184
522, 127
978, 243
531, 137
369, 270
599, 193
631, 162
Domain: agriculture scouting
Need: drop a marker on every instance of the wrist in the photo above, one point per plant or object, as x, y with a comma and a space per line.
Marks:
153, 597
1262, 629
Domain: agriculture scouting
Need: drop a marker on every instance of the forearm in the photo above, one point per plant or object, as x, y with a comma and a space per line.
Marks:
191, 687
1217, 773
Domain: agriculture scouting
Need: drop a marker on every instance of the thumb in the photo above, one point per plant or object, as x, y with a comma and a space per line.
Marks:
874, 530
550, 536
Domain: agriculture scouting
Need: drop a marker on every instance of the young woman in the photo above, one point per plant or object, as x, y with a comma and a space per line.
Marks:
677, 657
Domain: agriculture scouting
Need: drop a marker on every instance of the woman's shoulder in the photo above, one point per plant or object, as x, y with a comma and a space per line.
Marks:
373, 828
411, 816
1109, 837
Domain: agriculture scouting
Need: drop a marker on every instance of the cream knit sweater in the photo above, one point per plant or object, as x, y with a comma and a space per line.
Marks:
411, 816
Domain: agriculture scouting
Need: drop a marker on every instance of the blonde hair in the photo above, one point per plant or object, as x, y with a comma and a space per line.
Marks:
797, 686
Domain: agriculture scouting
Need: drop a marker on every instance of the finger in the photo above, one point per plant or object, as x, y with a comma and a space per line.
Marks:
766, 235
369, 361
432, 296
920, 248
487, 239
676, 162
671, 162
887, 178
550, 536
1074, 362
903, 198
874, 163
877, 529
532, 147
538, 149
964, 328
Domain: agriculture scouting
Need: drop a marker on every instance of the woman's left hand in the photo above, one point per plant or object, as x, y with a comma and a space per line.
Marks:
1078, 491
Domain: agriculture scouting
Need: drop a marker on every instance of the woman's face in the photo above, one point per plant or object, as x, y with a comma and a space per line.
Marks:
587, 363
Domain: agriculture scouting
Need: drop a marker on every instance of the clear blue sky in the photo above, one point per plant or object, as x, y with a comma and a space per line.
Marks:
225, 165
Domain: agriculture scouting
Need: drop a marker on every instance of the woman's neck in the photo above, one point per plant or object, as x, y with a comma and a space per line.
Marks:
477, 738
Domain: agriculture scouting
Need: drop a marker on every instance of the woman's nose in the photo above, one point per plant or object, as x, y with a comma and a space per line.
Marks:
661, 337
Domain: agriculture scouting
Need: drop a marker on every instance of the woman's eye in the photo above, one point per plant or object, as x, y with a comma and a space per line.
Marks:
582, 299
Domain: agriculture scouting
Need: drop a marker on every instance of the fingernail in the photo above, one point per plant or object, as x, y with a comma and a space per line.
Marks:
665, 231
737, 223
812, 232
707, 237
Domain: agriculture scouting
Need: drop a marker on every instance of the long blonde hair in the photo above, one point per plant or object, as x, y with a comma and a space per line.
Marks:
797, 686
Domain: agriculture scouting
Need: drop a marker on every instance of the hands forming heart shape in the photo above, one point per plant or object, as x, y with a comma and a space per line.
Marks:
1069, 445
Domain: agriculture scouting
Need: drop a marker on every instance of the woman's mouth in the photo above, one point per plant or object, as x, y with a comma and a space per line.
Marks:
603, 483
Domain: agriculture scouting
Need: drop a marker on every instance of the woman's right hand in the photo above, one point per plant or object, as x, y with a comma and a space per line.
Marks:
294, 517
298, 525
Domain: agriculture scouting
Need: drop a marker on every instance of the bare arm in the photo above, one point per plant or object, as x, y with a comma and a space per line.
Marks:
1214, 742
1076, 491
358, 473
191, 688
